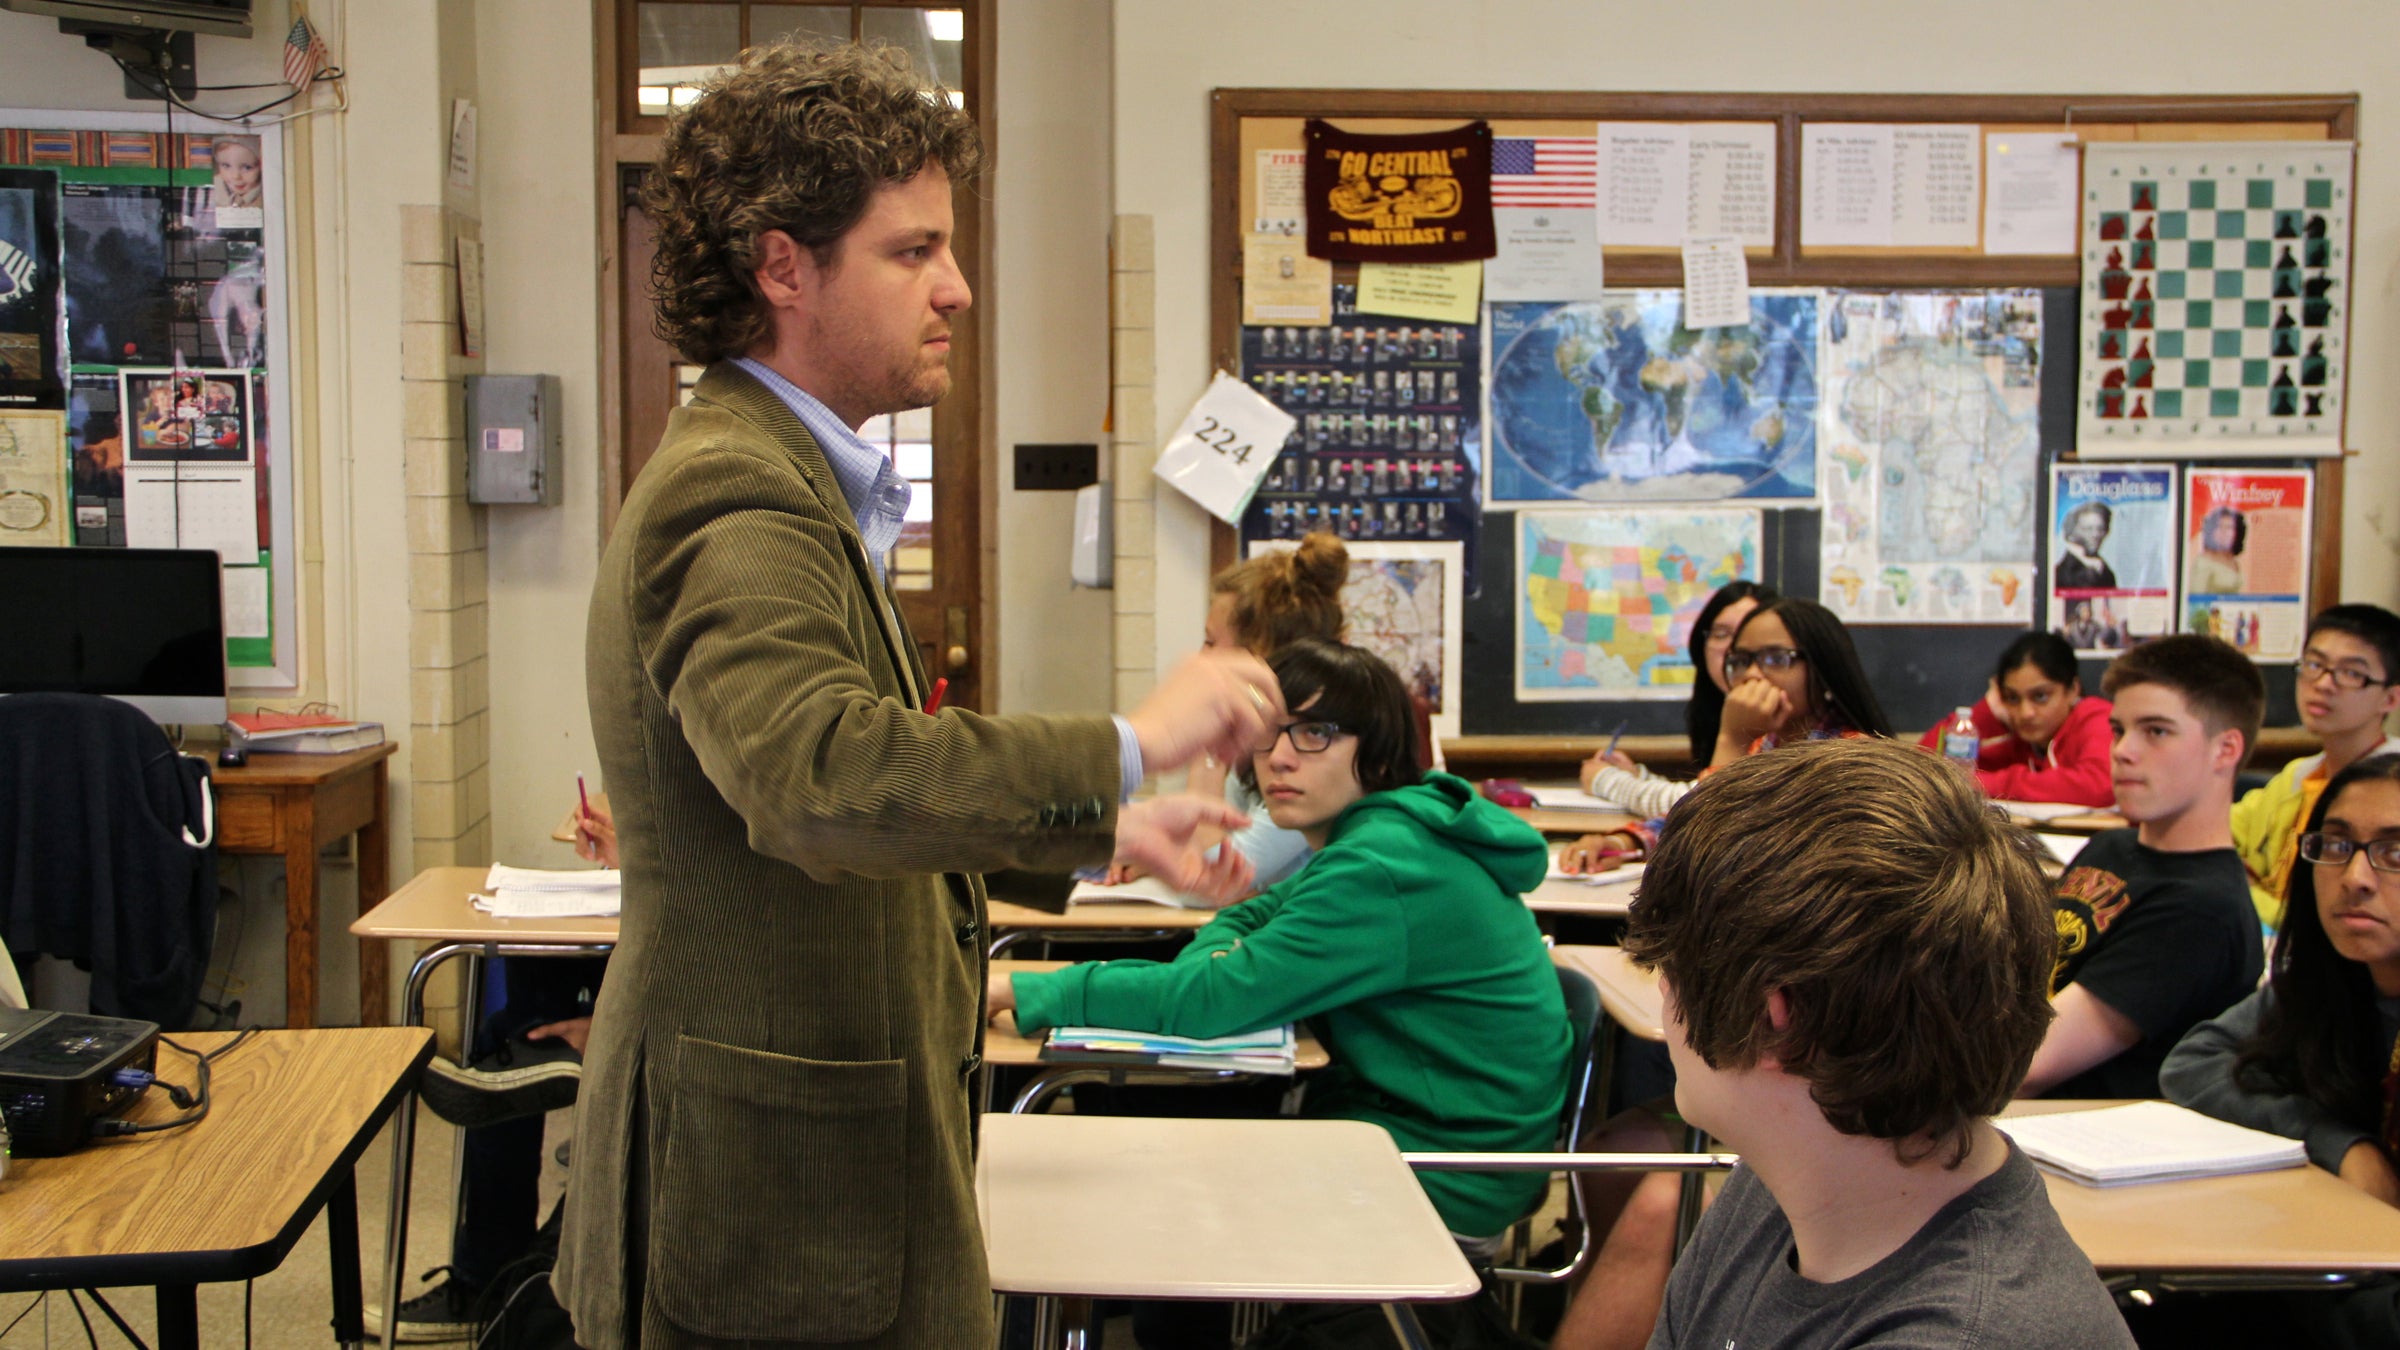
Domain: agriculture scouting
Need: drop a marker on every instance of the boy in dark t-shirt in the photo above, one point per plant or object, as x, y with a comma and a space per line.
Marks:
1801, 905
2155, 929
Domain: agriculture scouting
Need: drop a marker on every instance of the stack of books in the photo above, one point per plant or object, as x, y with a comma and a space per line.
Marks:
277, 733
535, 893
1144, 891
1273, 1051
2147, 1141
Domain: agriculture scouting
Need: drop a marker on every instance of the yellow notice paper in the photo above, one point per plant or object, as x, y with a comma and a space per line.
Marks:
1442, 292
1282, 284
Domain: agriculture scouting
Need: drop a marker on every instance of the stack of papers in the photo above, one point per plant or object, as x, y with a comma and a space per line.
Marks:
1273, 1051
1145, 891
533, 893
2147, 1141
2042, 810
2063, 847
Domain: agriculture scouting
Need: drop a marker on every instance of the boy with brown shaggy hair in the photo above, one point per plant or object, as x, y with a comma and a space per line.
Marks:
1855, 954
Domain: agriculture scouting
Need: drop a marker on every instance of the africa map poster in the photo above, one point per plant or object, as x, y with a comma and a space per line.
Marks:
1606, 599
1932, 443
1614, 400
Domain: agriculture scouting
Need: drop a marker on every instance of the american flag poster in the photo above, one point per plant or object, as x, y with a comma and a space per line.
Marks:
1542, 211
1551, 172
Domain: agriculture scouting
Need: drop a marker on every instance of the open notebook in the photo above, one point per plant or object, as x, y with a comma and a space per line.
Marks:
1272, 1051
2147, 1141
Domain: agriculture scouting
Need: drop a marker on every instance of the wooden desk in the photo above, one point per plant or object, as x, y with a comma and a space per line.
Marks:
1130, 921
1603, 900
1325, 1212
291, 806
2294, 1221
1005, 1047
289, 1114
436, 905
2081, 822
1569, 824
1628, 993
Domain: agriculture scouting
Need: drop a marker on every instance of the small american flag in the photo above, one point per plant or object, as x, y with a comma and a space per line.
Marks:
1555, 171
303, 53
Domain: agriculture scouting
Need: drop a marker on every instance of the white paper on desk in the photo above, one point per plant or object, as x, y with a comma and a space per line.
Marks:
1571, 799
1716, 283
509, 903
1546, 253
1845, 185
503, 876
1145, 890
193, 505
2041, 810
1644, 183
1937, 177
2063, 847
2147, 1141
1618, 877
2029, 182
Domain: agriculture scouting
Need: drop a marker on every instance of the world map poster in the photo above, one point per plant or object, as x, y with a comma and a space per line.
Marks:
1615, 401
1933, 456
1606, 599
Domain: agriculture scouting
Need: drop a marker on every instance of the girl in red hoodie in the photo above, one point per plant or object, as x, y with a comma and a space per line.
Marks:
2043, 740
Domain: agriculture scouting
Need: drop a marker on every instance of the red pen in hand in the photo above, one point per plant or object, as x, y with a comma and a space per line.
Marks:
933, 701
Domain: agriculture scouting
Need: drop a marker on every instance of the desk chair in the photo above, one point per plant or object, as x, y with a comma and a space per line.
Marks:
1583, 1022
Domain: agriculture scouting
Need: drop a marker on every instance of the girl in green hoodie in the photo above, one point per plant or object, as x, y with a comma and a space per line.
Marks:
1404, 938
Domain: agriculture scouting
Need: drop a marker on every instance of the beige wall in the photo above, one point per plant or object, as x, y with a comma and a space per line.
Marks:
1169, 56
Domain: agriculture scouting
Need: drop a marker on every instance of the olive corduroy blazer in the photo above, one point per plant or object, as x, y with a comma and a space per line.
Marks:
774, 1140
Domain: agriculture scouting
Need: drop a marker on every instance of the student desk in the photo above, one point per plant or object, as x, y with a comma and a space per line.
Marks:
2282, 1229
1602, 900
1004, 1047
1318, 1211
2081, 822
289, 806
1628, 993
289, 1114
435, 907
1125, 921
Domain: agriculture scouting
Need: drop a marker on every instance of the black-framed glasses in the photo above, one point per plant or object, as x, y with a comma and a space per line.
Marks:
1773, 660
2352, 678
2333, 850
1308, 738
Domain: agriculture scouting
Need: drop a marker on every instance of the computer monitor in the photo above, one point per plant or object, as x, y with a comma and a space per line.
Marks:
146, 625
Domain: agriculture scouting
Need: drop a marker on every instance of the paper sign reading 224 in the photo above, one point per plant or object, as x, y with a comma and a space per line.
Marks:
1223, 447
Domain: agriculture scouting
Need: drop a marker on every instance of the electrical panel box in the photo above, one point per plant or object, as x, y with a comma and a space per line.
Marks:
513, 441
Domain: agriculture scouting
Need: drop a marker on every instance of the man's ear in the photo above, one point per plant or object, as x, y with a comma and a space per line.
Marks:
1779, 1018
2227, 755
786, 272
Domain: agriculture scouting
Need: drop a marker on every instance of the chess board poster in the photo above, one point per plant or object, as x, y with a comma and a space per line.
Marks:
2216, 298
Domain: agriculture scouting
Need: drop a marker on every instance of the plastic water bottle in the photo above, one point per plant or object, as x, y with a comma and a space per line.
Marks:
1959, 741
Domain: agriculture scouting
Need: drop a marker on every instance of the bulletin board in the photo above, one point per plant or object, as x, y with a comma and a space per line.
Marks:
145, 369
1815, 260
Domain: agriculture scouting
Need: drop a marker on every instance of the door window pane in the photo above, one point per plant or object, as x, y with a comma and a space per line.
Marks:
805, 23
681, 45
933, 38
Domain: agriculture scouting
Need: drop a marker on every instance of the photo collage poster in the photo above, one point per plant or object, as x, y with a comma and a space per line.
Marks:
136, 288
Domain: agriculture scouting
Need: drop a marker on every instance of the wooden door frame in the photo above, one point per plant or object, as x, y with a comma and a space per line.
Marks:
963, 497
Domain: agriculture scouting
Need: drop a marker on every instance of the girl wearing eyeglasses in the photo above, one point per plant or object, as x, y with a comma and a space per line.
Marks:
1793, 675
2044, 739
2315, 1055
1403, 939
1615, 776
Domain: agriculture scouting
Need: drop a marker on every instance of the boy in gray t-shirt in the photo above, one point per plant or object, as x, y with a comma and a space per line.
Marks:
1855, 956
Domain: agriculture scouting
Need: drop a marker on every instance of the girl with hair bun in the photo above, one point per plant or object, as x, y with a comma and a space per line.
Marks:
1261, 606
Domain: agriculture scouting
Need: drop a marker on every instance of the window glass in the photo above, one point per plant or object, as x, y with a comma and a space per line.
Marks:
933, 38
680, 45
822, 23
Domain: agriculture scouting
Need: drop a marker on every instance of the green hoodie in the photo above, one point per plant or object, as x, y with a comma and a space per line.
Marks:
1404, 938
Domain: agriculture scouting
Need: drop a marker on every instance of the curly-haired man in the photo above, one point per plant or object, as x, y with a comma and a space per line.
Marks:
774, 1140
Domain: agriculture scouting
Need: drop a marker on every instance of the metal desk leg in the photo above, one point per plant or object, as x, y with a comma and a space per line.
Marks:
404, 1143
1403, 1320
341, 1240
178, 1317
1687, 1210
1075, 1324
